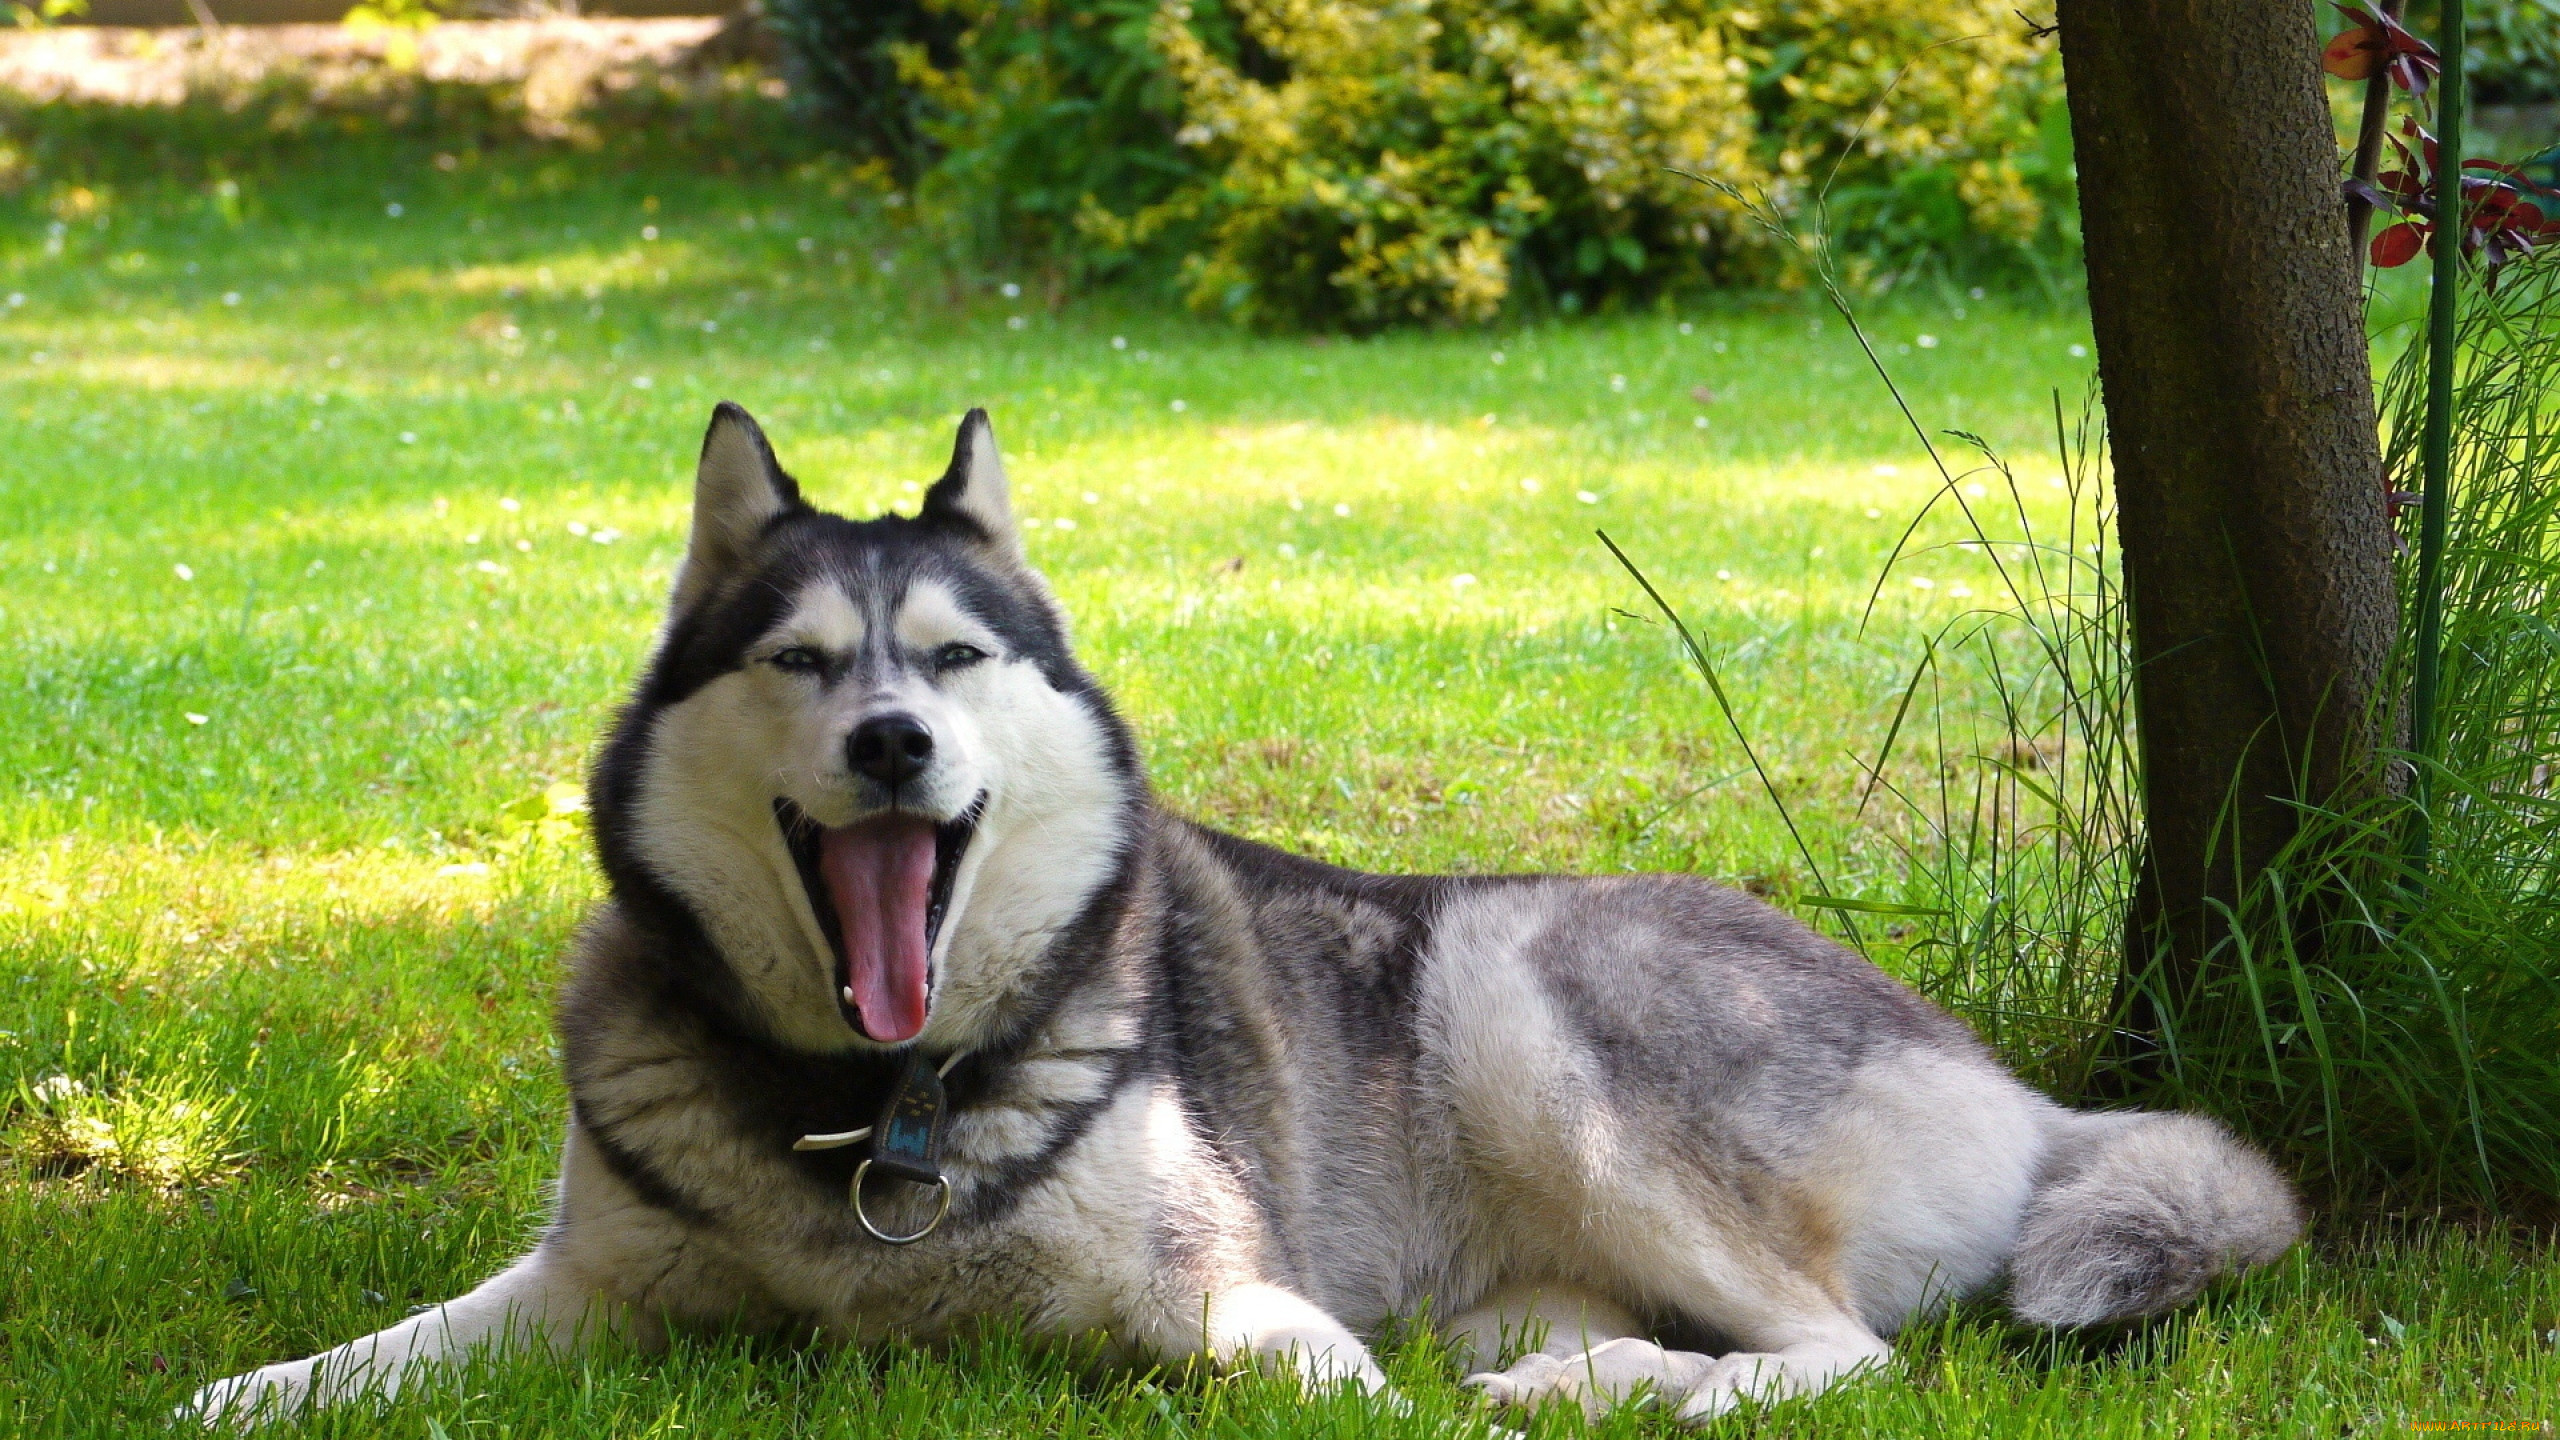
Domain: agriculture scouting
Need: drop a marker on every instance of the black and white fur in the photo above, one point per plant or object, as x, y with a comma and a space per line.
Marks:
1215, 1098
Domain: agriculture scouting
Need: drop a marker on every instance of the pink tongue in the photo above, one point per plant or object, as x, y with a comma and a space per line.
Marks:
880, 876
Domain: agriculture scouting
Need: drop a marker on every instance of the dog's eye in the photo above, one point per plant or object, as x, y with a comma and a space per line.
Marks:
798, 657
957, 654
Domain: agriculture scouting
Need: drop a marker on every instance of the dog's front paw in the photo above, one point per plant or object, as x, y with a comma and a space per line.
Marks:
1599, 1379
243, 1400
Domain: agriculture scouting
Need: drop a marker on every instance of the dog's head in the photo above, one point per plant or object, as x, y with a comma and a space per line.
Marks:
863, 760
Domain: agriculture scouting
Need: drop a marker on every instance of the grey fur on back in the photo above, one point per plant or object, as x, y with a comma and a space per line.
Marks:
2138, 1212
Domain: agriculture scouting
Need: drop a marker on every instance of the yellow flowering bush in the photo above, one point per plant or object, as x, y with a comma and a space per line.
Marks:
1417, 162
1910, 121
1435, 159
1355, 164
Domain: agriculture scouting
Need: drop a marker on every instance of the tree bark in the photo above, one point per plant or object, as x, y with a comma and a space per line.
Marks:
2239, 401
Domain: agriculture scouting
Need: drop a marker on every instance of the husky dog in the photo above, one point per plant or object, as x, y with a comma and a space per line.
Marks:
882, 856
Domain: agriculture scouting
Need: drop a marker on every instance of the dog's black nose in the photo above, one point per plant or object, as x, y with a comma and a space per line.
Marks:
891, 749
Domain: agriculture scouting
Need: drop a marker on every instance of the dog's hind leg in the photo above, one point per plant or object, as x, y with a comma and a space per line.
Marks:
1677, 1243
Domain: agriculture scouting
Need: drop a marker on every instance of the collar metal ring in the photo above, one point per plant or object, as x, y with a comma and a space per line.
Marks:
941, 1208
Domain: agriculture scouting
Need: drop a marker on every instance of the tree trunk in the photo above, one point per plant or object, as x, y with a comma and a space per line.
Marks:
2239, 400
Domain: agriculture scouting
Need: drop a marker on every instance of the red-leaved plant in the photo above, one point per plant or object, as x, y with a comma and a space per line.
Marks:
2502, 220
2376, 41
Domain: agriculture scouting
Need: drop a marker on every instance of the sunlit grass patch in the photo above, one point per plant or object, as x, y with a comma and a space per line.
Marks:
580, 273
173, 1128
193, 906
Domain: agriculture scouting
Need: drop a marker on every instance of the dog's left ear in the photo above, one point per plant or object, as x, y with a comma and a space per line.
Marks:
973, 491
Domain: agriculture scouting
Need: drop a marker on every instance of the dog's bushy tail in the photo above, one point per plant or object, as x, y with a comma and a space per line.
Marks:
2136, 1213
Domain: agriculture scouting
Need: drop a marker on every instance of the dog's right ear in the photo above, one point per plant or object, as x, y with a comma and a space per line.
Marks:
738, 490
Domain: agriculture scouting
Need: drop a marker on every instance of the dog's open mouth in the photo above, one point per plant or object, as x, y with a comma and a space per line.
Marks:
880, 888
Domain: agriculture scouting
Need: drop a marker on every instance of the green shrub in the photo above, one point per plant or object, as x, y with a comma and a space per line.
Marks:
1361, 163
1932, 133
857, 56
2511, 47
2518, 59
1428, 164
1014, 123
1408, 162
1052, 113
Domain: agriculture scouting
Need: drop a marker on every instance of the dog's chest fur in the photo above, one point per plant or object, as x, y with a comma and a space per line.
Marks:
1230, 1028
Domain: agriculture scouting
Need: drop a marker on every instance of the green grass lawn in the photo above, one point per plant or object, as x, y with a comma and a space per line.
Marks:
335, 514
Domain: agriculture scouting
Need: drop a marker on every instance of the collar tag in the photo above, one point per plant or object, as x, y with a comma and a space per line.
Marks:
906, 1141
